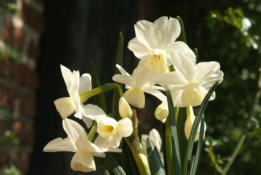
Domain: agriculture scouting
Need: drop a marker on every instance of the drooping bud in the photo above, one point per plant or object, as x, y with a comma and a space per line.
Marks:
124, 108
162, 111
189, 123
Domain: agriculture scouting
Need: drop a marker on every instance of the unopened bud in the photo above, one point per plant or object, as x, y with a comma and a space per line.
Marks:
124, 108
162, 112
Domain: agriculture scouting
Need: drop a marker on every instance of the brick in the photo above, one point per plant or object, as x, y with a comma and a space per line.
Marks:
22, 161
19, 103
23, 130
33, 49
28, 106
32, 18
13, 36
2, 127
21, 74
3, 161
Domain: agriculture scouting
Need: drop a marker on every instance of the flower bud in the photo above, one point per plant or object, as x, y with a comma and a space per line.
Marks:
188, 126
162, 112
124, 108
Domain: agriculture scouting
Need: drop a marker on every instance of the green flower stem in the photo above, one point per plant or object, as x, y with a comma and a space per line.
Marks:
92, 132
168, 144
243, 136
104, 88
136, 148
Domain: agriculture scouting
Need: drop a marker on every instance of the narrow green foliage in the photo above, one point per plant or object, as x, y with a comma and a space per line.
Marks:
182, 34
156, 166
100, 99
174, 134
104, 171
199, 147
119, 57
114, 165
195, 127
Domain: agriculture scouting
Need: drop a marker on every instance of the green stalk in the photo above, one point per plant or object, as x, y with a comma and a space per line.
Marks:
243, 136
168, 145
104, 88
136, 148
92, 132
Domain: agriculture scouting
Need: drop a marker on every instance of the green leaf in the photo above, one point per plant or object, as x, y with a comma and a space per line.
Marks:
199, 147
156, 166
195, 127
104, 171
182, 34
174, 134
114, 165
100, 99
119, 57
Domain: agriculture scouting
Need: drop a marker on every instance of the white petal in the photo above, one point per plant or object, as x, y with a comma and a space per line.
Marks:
71, 79
142, 77
184, 65
74, 130
181, 50
169, 28
88, 122
67, 74
85, 83
64, 106
83, 161
156, 93
171, 78
205, 70
147, 34
122, 71
124, 79
93, 111
155, 138
125, 127
109, 142
139, 49
60, 144
135, 97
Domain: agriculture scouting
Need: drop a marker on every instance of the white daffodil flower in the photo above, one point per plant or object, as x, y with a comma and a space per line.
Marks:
190, 82
77, 141
111, 132
75, 86
189, 123
155, 41
162, 111
138, 83
124, 108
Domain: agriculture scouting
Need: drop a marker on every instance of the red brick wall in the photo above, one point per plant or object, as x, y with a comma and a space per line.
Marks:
18, 79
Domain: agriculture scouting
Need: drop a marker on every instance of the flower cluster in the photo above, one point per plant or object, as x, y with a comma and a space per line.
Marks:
164, 61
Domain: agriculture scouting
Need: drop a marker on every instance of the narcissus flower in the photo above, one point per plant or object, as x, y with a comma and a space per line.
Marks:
111, 132
137, 83
75, 86
189, 123
155, 41
190, 82
77, 141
